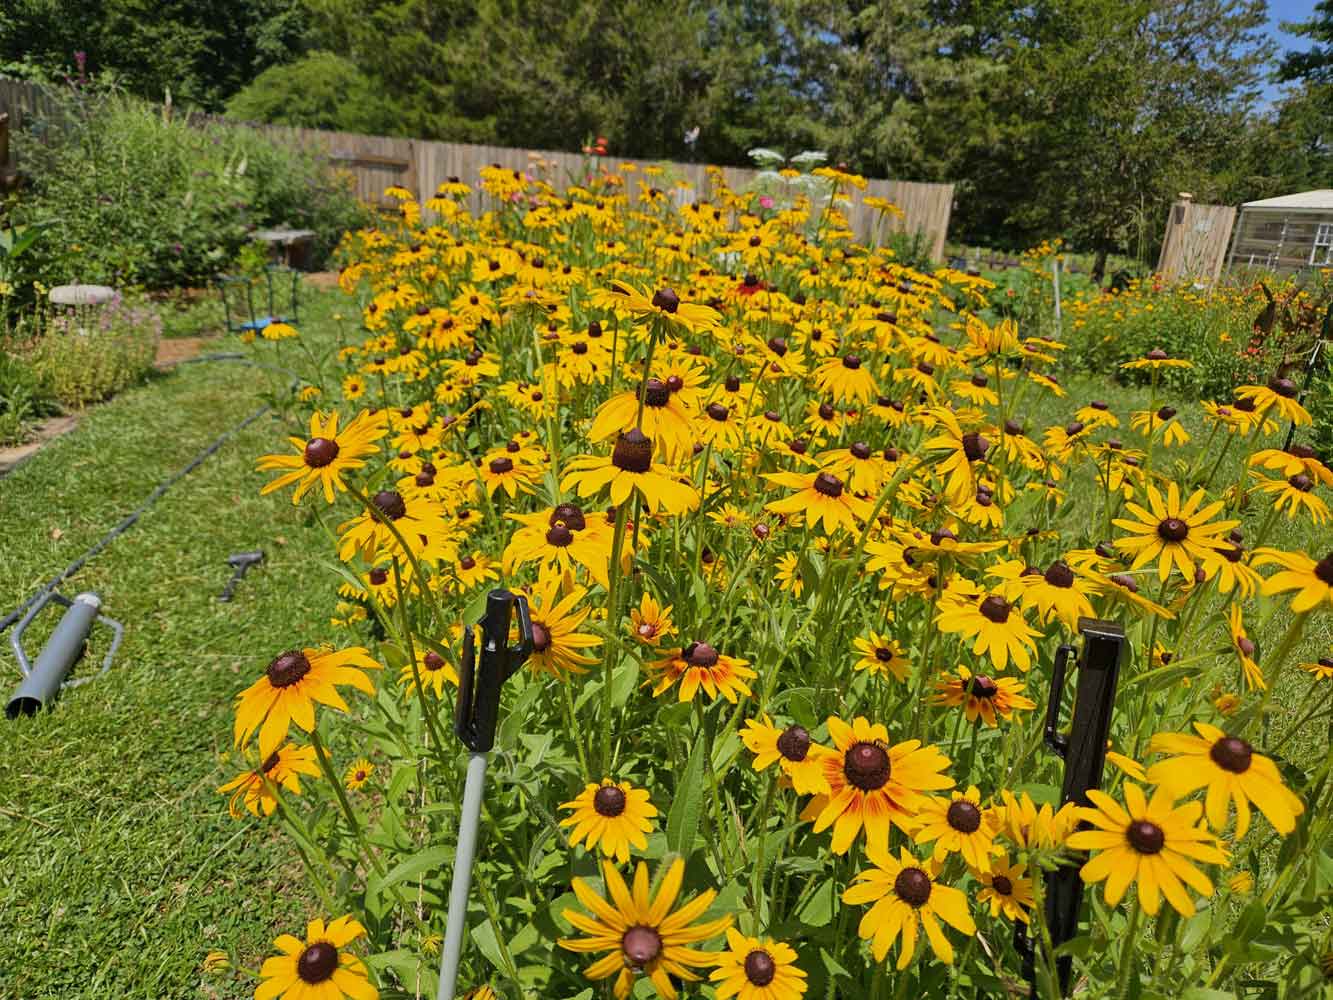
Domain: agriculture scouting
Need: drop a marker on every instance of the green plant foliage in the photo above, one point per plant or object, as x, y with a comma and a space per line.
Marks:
86, 354
134, 195
321, 90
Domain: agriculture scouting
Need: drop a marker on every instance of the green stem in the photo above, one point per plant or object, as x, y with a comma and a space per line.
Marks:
574, 731
1315, 706
613, 633
1127, 950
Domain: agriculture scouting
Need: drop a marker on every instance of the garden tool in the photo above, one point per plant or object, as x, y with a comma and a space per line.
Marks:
1084, 754
240, 562
475, 716
43, 680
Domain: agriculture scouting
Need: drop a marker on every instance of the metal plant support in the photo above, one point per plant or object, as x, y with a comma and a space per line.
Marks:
280, 299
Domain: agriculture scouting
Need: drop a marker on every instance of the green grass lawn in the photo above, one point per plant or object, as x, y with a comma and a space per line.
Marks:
119, 866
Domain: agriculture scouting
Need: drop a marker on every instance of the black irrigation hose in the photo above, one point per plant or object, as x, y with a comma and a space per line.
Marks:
162, 487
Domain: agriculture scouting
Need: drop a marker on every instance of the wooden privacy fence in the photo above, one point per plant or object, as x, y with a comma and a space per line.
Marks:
376, 162
1195, 245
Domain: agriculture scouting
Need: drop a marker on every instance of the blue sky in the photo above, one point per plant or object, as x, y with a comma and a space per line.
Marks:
1287, 10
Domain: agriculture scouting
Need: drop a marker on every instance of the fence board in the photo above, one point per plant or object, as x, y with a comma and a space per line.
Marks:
1195, 244
376, 162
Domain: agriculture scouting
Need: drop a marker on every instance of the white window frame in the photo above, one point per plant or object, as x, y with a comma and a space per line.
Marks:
1323, 238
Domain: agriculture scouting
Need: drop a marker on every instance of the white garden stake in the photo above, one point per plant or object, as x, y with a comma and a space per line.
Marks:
475, 718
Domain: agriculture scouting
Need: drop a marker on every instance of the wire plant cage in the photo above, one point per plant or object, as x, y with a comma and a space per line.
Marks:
251, 302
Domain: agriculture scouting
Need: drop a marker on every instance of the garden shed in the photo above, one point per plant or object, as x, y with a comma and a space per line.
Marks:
1287, 233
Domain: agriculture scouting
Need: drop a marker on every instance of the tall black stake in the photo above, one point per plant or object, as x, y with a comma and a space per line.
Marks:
1084, 754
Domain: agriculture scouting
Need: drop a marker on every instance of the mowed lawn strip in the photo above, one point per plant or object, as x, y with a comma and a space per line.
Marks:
121, 866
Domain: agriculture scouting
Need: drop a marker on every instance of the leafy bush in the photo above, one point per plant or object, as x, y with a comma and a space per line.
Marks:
136, 196
23, 398
84, 355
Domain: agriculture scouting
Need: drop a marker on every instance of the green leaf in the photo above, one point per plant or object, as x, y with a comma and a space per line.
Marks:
1200, 993
835, 970
818, 909
484, 937
687, 806
424, 860
624, 681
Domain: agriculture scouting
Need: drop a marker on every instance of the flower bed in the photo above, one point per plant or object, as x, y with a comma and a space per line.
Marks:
798, 559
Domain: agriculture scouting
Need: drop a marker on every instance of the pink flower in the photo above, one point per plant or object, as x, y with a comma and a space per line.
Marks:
765, 201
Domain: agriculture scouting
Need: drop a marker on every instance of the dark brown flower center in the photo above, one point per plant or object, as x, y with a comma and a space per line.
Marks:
378, 576
1323, 569
852, 362
1145, 837
718, 412
569, 515
794, 743
1301, 482
982, 686
975, 446
467, 562
390, 503
288, 668
884, 653
760, 969
700, 654
501, 465
270, 762
778, 346
559, 536
1002, 885
319, 452
317, 963
912, 886
828, 484
1231, 753
1059, 575
655, 393
666, 300
995, 608
1173, 529
1284, 387
633, 451
641, 944
1157, 354
866, 765
541, 637
826, 411
609, 801
432, 660
963, 816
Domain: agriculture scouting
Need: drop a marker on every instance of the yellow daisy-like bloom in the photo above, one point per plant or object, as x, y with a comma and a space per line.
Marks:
640, 933
1029, 827
434, 670
319, 968
1294, 494
907, 897
556, 640
822, 499
1312, 581
790, 749
558, 540
358, 773
1007, 889
787, 573
881, 655
650, 622
611, 815
982, 696
959, 825
1172, 532
1280, 395
324, 456
965, 448
1151, 843
757, 969
503, 473
278, 331
630, 469
1231, 771
699, 665
665, 419
291, 686
258, 789
846, 380
997, 626
664, 306
1245, 648
873, 785
1321, 669
1156, 359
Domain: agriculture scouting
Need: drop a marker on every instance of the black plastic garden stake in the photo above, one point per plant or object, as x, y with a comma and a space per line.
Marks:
1084, 754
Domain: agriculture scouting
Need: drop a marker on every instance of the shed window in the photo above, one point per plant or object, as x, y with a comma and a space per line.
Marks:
1322, 251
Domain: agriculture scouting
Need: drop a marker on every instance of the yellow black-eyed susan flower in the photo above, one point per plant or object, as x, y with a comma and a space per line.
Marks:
291, 686
320, 968
322, 459
612, 816
757, 969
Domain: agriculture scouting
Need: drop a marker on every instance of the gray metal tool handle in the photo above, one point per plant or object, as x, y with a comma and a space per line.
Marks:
86, 600
468, 821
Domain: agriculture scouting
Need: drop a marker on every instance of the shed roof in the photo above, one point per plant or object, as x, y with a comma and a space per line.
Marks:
1321, 199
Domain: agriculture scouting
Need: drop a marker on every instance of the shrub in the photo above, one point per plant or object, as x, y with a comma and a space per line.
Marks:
87, 354
134, 195
23, 398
